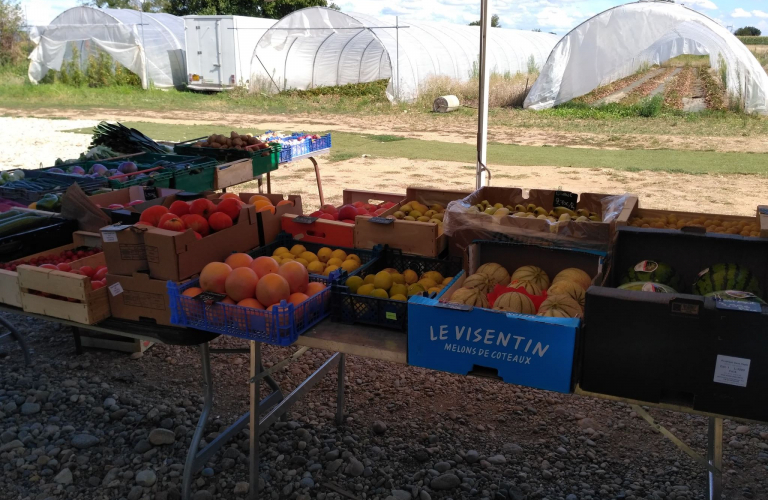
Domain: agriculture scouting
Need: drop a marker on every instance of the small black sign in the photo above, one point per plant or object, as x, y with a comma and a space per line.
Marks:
210, 297
565, 199
304, 219
150, 193
736, 305
381, 220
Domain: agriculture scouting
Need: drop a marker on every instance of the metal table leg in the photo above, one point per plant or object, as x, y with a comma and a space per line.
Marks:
255, 393
319, 182
14, 334
715, 458
340, 391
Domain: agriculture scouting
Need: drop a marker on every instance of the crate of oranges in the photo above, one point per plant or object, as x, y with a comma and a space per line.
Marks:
748, 226
271, 208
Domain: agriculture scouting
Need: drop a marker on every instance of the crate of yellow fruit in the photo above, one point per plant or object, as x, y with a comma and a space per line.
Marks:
328, 262
755, 226
378, 295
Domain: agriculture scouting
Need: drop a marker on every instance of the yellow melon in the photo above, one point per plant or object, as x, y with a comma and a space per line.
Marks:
560, 306
529, 286
479, 281
533, 274
569, 288
573, 274
514, 302
469, 296
495, 272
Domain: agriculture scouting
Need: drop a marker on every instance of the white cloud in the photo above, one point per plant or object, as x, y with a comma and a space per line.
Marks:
42, 12
555, 17
759, 13
739, 12
704, 4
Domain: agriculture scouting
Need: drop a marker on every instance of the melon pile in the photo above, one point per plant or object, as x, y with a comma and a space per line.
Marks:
561, 297
392, 284
325, 261
259, 283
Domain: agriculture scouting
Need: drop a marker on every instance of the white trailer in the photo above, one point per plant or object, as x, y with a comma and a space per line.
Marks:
220, 48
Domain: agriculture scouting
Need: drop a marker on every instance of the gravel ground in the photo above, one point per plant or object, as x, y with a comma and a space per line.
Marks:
37, 143
106, 425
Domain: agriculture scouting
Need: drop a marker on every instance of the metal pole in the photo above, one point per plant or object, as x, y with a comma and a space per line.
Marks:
255, 393
143, 45
715, 457
482, 108
397, 42
340, 391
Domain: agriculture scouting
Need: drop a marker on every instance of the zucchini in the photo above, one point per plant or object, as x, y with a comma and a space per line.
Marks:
16, 217
9, 214
21, 224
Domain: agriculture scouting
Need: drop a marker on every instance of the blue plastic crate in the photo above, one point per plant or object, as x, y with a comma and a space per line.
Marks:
367, 257
279, 325
307, 146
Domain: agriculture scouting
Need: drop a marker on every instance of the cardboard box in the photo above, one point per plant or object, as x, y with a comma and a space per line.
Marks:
465, 227
139, 298
270, 225
10, 293
176, 256
233, 173
760, 219
521, 349
677, 348
97, 340
146, 194
412, 237
67, 296
124, 248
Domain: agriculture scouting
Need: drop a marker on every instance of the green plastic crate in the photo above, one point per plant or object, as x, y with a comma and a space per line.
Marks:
195, 178
162, 179
268, 163
261, 164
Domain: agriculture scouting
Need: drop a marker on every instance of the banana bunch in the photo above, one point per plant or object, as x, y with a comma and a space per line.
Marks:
557, 214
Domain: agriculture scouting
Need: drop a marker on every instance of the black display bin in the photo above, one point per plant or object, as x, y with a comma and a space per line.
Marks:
678, 348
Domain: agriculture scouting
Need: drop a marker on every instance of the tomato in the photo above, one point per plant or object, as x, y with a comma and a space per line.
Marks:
95, 285
64, 267
100, 273
87, 271
49, 266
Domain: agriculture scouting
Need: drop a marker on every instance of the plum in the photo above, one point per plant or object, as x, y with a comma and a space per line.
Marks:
77, 170
55, 170
98, 169
127, 167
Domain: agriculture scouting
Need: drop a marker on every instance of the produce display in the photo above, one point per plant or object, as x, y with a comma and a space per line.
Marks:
654, 272
246, 142
93, 154
6, 205
528, 290
397, 285
713, 224
201, 216
726, 277
557, 214
415, 211
286, 139
347, 213
324, 262
53, 261
262, 203
17, 221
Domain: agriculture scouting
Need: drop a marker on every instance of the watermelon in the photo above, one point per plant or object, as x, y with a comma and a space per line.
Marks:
655, 272
736, 295
647, 286
721, 277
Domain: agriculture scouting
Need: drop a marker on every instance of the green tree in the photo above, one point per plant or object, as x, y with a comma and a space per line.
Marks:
747, 31
494, 22
146, 5
13, 38
274, 9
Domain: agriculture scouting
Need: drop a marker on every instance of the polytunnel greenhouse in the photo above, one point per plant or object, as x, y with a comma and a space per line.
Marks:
148, 44
316, 47
621, 40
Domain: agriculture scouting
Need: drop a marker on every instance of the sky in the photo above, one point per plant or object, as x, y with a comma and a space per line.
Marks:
557, 16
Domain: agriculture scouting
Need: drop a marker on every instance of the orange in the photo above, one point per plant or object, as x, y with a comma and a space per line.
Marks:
226, 196
264, 265
297, 298
272, 289
238, 260
213, 276
252, 200
285, 202
296, 275
241, 283
260, 204
314, 288
252, 303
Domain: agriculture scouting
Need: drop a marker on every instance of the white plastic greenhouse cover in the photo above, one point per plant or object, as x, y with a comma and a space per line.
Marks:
616, 43
322, 47
132, 38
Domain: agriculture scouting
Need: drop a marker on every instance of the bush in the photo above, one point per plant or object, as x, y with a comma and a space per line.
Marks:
754, 40
100, 71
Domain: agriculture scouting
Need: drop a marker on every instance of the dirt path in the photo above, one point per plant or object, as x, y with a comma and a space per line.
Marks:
624, 92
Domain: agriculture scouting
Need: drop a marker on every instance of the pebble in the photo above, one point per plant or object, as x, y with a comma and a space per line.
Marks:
63, 477
401, 495
159, 437
307, 482
146, 478
84, 441
30, 408
445, 482
202, 495
379, 427
241, 488
442, 467
354, 468
497, 460
742, 429
11, 445
472, 456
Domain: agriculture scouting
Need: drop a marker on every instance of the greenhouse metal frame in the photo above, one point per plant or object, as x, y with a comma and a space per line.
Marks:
317, 46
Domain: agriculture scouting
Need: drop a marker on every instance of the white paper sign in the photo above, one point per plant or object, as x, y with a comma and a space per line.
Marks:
731, 371
115, 289
109, 236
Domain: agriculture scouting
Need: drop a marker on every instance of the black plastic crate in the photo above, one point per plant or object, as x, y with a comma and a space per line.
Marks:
348, 307
54, 233
678, 348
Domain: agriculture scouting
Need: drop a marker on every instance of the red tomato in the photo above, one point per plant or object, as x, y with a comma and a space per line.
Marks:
87, 271
95, 285
100, 273
64, 267
49, 266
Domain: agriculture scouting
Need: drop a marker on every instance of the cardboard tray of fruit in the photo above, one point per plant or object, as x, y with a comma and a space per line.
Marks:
515, 315
559, 218
681, 318
413, 225
749, 226
379, 294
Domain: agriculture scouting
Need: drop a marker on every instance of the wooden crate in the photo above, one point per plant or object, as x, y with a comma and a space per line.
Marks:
67, 296
233, 173
10, 293
760, 218
96, 340
412, 237
350, 196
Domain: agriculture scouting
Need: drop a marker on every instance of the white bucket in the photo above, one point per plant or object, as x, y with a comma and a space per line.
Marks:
446, 104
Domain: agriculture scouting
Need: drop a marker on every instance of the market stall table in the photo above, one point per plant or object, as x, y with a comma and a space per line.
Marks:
340, 340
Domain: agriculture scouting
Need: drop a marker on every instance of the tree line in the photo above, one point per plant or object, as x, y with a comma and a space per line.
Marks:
274, 9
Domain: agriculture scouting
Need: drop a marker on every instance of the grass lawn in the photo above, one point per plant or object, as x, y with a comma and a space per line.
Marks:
347, 145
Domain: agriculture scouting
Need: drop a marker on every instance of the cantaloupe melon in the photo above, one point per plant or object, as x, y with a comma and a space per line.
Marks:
514, 302
529, 286
470, 297
560, 306
480, 282
569, 288
533, 274
495, 272
573, 274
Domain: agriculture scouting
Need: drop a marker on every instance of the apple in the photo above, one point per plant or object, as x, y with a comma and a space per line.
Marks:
358, 204
329, 209
347, 212
316, 213
327, 217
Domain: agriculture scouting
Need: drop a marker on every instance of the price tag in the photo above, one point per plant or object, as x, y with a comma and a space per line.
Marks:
732, 371
304, 219
392, 316
109, 236
210, 297
737, 305
116, 289
565, 199
150, 193
381, 220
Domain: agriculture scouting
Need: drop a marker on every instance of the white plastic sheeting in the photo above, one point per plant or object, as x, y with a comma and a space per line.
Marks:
617, 42
149, 44
320, 47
